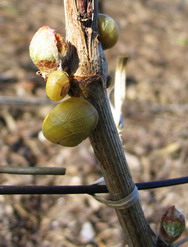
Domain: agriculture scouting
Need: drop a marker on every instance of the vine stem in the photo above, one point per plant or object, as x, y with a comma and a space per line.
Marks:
88, 69
109, 151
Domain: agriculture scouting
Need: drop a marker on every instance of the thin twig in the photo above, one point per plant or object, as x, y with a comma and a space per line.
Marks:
32, 170
177, 108
36, 101
12, 100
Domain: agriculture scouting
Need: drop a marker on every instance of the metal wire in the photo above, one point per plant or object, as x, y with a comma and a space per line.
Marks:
83, 189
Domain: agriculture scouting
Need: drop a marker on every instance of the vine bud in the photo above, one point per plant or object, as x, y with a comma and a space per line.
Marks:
108, 31
47, 49
172, 225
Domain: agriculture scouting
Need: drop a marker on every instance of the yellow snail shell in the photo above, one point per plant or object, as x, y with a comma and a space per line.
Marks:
57, 85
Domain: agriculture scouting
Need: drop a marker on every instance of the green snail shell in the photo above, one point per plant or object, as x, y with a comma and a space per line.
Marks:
108, 31
70, 122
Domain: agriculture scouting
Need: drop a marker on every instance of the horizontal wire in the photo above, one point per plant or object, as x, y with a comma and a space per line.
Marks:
83, 189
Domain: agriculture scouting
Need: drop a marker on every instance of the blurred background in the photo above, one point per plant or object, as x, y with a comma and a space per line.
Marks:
154, 35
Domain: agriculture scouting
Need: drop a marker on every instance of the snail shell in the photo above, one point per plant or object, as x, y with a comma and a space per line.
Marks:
108, 31
57, 85
70, 122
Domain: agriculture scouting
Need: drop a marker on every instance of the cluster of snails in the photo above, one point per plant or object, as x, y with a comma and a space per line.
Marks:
71, 121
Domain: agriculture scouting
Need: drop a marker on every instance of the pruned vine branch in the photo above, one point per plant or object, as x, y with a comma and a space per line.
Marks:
89, 77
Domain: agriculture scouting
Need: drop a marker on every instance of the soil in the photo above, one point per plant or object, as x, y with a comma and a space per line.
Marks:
153, 34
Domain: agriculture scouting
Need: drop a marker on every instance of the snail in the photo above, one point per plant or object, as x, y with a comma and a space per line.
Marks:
70, 122
47, 50
57, 85
108, 31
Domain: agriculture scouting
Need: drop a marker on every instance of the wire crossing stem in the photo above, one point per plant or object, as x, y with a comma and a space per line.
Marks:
82, 189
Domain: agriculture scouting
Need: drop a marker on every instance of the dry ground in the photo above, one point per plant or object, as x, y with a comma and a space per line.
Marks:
154, 34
